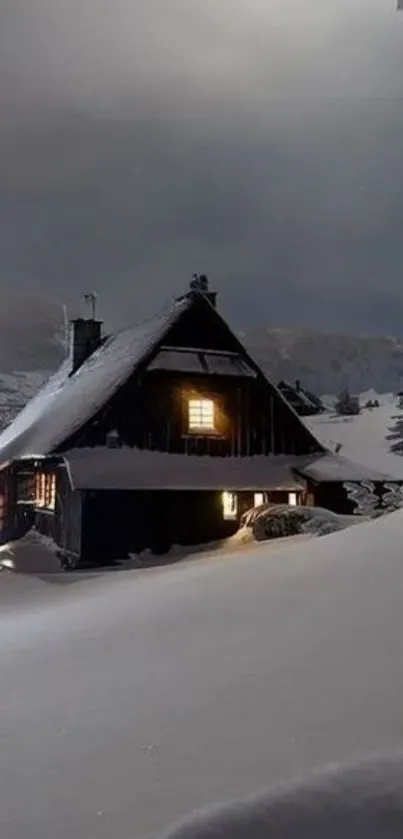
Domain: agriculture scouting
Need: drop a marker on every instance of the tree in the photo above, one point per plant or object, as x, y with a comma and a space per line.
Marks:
392, 498
347, 405
363, 496
395, 436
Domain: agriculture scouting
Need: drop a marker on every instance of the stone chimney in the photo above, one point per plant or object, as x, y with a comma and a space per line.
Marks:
85, 338
200, 285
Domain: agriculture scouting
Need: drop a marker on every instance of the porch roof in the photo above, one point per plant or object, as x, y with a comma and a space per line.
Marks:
333, 468
129, 469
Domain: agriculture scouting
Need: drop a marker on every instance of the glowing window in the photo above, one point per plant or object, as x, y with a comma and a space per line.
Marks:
201, 415
45, 491
259, 499
292, 499
229, 505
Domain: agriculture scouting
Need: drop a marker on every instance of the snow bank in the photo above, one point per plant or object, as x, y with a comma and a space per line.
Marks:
33, 554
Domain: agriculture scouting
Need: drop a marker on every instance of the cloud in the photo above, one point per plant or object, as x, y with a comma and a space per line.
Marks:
255, 140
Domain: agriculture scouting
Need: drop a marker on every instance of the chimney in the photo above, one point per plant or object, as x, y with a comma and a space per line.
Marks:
297, 384
85, 338
200, 285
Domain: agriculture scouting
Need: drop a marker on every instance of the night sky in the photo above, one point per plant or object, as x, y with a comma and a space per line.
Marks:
258, 141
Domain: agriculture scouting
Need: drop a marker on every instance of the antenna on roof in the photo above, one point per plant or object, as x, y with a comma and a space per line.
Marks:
91, 297
66, 327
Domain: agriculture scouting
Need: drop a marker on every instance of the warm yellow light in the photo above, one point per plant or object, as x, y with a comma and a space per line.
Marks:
201, 415
45, 491
292, 499
229, 505
258, 499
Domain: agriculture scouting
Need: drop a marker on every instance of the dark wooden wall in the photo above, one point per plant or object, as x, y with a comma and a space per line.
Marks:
7, 509
333, 496
151, 412
63, 524
16, 519
68, 515
116, 524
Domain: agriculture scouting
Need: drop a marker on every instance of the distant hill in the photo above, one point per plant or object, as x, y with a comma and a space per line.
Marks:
31, 346
328, 362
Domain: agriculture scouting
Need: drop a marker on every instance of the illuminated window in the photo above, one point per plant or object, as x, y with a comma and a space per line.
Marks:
201, 415
229, 505
259, 499
292, 499
45, 491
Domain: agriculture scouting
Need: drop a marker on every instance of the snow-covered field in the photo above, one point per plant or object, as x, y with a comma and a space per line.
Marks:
363, 437
129, 699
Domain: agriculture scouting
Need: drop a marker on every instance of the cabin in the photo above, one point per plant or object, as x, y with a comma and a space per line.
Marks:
163, 433
305, 403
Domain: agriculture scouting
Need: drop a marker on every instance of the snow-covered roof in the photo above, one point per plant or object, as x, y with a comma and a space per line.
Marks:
127, 468
103, 468
67, 401
299, 394
329, 468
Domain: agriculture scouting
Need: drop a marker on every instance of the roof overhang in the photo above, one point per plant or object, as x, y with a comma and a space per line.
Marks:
332, 468
137, 469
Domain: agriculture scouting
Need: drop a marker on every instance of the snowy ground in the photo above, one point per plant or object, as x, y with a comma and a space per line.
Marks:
363, 437
127, 699
37, 555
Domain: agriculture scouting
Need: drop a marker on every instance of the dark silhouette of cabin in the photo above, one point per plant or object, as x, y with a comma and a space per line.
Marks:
304, 402
164, 433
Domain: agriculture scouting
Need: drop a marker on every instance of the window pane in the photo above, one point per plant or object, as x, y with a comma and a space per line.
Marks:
45, 491
230, 505
201, 414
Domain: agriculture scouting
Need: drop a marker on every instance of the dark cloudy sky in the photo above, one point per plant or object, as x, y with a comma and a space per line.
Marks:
259, 141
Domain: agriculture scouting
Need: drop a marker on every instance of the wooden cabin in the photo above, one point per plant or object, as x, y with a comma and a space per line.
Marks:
162, 434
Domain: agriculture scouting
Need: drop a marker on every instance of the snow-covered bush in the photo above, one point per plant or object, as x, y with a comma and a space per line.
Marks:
278, 522
321, 526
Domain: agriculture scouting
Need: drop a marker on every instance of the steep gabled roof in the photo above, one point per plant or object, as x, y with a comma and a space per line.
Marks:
68, 401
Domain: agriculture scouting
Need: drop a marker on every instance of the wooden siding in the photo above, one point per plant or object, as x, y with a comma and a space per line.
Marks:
68, 517
152, 413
